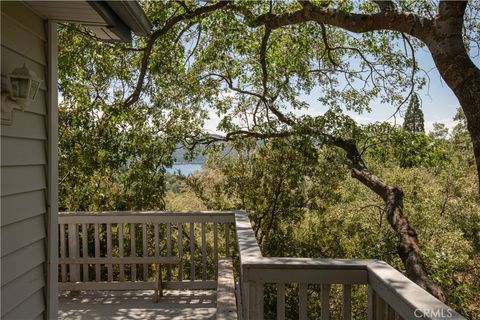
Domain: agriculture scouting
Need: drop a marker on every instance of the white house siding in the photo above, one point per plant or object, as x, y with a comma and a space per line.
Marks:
23, 171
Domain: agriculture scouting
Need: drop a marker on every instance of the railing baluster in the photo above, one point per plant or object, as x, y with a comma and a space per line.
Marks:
379, 308
109, 252
303, 301
215, 248
371, 303
74, 271
121, 251
390, 313
63, 252
133, 252
169, 250
347, 302
281, 301
144, 250
325, 301
255, 303
192, 251
97, 252
180, 251
155, 239
85, 251
204, 252
227, 239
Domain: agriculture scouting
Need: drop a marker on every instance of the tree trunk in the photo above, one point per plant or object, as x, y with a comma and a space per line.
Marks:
408, 246
455, 66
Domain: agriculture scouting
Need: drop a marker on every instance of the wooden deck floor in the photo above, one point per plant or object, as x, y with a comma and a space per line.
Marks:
175, 304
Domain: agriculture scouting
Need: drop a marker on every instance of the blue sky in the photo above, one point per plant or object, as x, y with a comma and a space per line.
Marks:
439, 104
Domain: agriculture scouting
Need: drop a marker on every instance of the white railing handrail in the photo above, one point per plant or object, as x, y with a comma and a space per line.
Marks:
145, 216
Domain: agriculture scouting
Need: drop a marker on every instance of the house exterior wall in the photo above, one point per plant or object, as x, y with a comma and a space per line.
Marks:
24, 171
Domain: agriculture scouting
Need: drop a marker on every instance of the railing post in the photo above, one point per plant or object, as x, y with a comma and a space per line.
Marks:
73, 250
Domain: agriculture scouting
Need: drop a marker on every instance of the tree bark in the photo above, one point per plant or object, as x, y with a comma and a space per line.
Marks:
408, 245
456, 68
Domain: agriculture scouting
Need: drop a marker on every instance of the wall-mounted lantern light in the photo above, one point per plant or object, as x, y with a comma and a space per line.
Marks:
24, 85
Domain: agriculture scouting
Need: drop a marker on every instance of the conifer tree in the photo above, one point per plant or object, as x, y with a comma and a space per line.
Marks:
414, 116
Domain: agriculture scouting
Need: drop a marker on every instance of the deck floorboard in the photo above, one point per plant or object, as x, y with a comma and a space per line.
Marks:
175, 304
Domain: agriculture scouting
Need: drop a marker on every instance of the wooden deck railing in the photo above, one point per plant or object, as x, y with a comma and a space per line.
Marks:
97, 249
199, 239
391, 295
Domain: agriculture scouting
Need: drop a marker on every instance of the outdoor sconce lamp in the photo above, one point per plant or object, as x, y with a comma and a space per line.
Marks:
24, 85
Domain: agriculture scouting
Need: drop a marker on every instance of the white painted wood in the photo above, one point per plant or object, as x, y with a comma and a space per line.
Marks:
403, 295
22, 206
312, 275
379, 308
131, 304
109, 252
156, 240
118, 260
20, 40
85, 251
204, 252
227, 239
280, 301
371, 303
32, 230
21, 152
63, 252
29, 20
121, 252
215, 248
255, 304
74, 270
29, 308
26, 125
226, 303
180, 251
303, 301
22, 179
247, 243
192, 251
20, 289
22, 260
146, 217
97, 252
137, 285
347, 302
133, 252
325, 301
144, 250
169, 250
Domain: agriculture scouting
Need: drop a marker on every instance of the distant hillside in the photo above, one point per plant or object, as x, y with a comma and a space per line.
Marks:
179, 154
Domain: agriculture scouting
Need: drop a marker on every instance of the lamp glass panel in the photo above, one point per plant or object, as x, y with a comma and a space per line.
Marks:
19, 88
34, 89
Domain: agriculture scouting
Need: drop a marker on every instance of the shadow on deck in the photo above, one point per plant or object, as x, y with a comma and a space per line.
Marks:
175, 304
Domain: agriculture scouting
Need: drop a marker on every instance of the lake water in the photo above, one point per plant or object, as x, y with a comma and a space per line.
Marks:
184, 169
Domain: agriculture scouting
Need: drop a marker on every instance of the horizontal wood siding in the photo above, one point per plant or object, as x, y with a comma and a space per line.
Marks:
22, 206
21, 152
11, 242
30, 308
23, 170
22, 179
21, 289
17, 263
